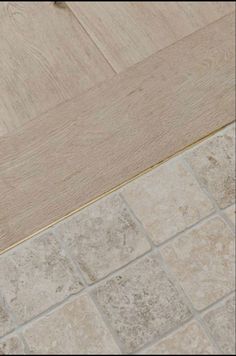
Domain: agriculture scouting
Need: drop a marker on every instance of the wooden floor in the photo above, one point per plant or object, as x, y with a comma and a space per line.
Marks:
91, 94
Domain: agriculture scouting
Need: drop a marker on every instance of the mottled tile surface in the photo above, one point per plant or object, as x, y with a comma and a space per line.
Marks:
167, 200
213, 162
76, 328
141, 303
230, 213
188, 340
40, 275
203, 261
221, 323
103, 237
12, 346
5, 320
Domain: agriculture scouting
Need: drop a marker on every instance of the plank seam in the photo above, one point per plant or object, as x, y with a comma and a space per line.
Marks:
117, 187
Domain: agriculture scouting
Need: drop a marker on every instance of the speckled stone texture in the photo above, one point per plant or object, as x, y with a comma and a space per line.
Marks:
221, 323
5, 320
167, 200
213, 161
40, 276
12, 346
188, 340
202, 260
76, 328
141, 303
103, 237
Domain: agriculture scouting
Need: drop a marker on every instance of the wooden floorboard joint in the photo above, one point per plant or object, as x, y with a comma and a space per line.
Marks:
103, 195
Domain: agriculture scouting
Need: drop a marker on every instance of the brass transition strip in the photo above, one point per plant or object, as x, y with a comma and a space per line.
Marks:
115, 188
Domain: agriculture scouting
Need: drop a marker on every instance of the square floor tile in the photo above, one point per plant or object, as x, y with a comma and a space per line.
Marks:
213, 161
202, 260
75, 328
5, 320
12, 346
167, 200
40, 275
141, 303
103, 237
221, 323
188, 340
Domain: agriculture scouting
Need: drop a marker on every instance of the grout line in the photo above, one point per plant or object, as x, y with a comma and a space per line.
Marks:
227, 220
104, 194
106, 322
166, 334
188, 302
208, 194
196, 314
130, 210
217, 302
75, 265
88, 290
26, 346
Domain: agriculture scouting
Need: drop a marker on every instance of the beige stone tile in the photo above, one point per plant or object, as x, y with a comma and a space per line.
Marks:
141, 303
221, 323
39, 275
167, 200
75, 328
202, 260
103, 237
12, 346
230, 213
213, 161
5, 320
188, 340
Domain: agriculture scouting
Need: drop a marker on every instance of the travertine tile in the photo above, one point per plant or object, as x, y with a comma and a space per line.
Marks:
141, 303
213, 162
230, 213
103, 237
188, 340
167, 200
221, 322
76, 328
40, 275
12, 346
203, 261
5, 320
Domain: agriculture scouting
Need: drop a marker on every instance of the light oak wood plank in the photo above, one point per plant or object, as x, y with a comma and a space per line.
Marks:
45, 58
128, 32
88, 145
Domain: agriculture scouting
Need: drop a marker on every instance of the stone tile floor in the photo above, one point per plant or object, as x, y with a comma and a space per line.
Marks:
148, 269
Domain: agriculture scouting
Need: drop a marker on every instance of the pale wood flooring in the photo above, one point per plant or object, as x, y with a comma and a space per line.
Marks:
57, 154
128, 32
46, 57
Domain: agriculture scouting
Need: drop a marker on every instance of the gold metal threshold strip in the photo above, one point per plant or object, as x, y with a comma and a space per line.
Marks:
147, 170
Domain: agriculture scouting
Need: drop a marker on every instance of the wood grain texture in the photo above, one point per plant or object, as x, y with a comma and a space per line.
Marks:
88, 145
128, 32
45, 58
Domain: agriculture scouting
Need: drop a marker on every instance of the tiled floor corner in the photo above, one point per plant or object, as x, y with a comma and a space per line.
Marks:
102, 238
149, 269
202, 260
190, 337
221, 322
75, 327
141, 303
